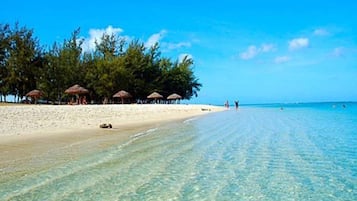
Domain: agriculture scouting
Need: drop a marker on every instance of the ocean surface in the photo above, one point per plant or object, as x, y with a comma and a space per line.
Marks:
266, 152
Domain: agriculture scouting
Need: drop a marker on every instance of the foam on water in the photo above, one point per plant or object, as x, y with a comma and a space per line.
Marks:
304, 152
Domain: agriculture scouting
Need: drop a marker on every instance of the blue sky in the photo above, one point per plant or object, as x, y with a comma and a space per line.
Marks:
252, 51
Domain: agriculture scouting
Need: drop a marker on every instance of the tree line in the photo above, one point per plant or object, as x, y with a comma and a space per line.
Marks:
115, 64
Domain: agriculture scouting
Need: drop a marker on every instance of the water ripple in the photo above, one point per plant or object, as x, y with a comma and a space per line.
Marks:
249, 154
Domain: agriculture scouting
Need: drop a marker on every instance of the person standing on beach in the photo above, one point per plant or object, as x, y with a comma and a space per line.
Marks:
236, 104
226, 104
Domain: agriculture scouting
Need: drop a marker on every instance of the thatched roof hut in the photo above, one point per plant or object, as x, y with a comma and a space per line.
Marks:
122, 95
155, 96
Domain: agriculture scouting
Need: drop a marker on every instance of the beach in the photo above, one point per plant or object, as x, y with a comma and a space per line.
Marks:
30, 134
53, 124
39, 120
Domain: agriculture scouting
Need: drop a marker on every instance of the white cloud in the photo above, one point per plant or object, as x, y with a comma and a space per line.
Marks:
252, 51
298, 43
173, 46
282, 59
338, 52
96, 34
321, 32
182, 56
155, 38
267, 47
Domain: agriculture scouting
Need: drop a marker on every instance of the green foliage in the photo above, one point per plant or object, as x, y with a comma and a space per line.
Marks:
4, 56
179, 78
20, 60
62, 68
114, 65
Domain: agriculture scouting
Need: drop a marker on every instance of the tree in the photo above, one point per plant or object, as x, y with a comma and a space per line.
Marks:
134, 59
51, 77
69, 67
70, 59
108, 47
4, 56
113, 65
24, 58
144, 68
62, 67
180, 79
105, 71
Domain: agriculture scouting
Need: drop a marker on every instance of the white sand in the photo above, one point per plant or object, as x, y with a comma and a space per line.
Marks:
48, 119
35, 137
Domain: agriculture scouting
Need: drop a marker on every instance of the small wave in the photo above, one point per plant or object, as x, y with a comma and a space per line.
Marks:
140, 134
135, 137
189, 120
151, 130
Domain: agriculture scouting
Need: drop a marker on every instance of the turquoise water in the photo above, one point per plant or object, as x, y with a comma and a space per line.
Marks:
297, 152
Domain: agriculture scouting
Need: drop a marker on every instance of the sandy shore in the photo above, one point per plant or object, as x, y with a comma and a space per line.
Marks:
32, 134
47, 119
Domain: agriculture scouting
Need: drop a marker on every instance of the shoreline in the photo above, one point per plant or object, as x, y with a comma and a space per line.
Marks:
21, 120
33, 138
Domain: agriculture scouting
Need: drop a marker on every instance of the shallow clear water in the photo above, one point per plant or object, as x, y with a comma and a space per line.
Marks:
303, 152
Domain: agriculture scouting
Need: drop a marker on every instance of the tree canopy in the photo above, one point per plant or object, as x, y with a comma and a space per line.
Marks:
115, 64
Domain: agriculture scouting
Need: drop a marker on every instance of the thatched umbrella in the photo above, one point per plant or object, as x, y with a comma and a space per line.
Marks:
122, 94
155, 96
82, 90
35, 94
174, 97
76, 90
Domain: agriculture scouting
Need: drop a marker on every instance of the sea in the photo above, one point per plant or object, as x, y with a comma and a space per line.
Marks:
272, 152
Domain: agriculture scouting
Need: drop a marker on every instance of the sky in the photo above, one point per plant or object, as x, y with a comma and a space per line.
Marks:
253, 51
